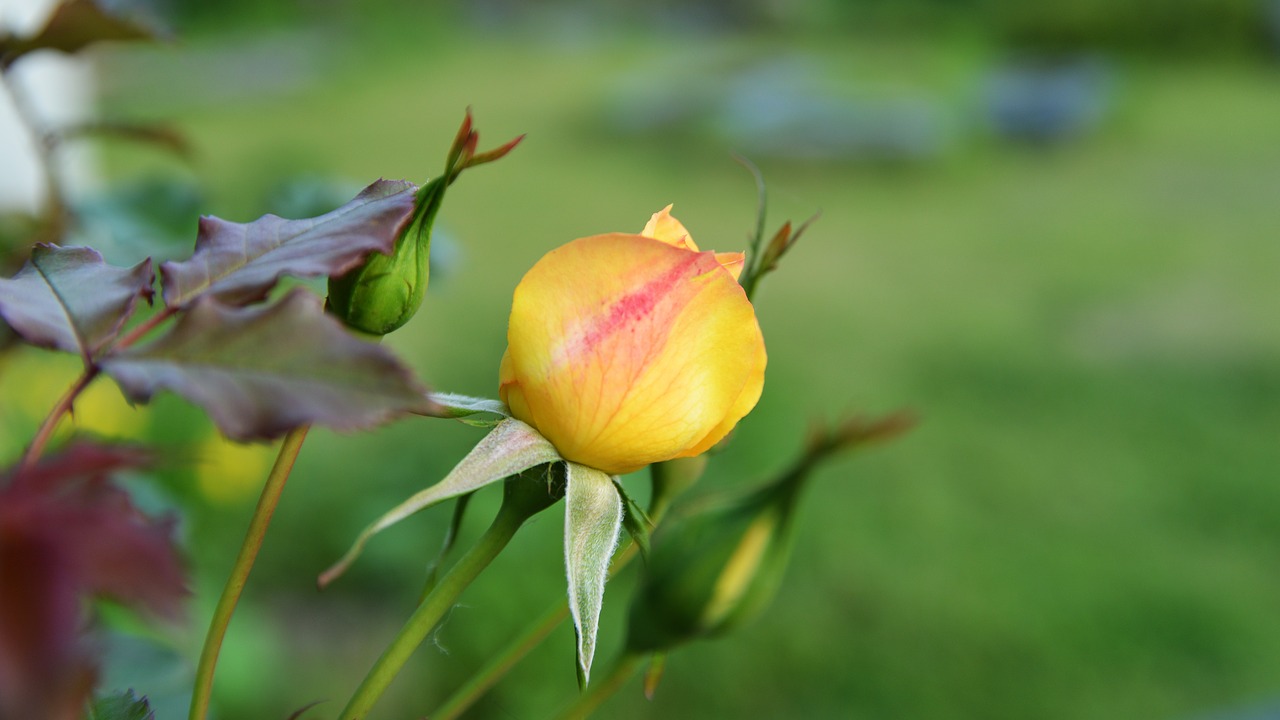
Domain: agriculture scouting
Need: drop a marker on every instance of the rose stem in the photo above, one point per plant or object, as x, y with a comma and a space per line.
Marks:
222, 613
91, 371
522, 499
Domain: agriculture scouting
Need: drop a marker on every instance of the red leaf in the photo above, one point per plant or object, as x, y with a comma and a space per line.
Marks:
65, 533
70, 299
262, 371
239, 263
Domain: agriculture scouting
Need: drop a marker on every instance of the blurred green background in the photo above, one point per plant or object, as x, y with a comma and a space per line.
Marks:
1051, 230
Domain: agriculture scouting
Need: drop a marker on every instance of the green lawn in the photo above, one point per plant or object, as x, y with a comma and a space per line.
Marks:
1085, 525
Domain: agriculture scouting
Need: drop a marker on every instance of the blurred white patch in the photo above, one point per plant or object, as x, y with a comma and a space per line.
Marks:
58, 90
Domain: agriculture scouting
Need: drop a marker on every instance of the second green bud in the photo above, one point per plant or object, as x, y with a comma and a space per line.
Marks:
384, 292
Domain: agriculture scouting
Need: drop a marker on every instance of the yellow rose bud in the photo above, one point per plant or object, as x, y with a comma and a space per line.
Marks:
625, 350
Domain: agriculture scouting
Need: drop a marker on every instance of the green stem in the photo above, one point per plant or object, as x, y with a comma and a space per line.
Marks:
240, 571
523, 498
501, 664
623, 669
515, 651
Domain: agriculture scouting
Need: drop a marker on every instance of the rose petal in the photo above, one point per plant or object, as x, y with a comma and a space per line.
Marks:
625, 351
669, 230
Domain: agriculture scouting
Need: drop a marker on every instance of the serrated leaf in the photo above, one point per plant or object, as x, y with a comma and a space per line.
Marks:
260, 372
73, 26
592, 520
121, 706
511, 447
239, 263
70, 299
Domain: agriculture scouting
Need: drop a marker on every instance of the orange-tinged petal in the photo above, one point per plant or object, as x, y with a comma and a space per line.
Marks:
625, 351
733, 262
669, 230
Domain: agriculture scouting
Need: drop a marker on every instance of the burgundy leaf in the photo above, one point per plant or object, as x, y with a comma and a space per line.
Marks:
66, 533
74, 25
83, 459
262, 371
70, 299
239, 263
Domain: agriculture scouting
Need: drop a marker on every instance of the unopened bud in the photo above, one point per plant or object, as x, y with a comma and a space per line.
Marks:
383, 293
714, 570
720, 567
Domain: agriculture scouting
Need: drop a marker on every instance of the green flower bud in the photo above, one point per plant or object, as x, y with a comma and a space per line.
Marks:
384, 292
718, 568
715, 570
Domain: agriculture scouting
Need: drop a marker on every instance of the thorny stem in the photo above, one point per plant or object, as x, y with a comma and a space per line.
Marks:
91, 372
50, 424
240, 570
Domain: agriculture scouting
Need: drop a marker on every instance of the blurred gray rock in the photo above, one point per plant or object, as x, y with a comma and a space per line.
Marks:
785, 108
1045, 101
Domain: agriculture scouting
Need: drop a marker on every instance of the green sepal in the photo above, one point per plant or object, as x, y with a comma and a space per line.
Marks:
653, 674
463, 408
592, 521
511, 447
637, 522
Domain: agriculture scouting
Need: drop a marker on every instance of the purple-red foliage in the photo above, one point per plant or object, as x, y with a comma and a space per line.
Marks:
67, 533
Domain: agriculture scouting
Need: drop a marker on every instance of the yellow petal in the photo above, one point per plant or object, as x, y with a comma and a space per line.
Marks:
624, 351
509, 391
669, 230
746, 401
